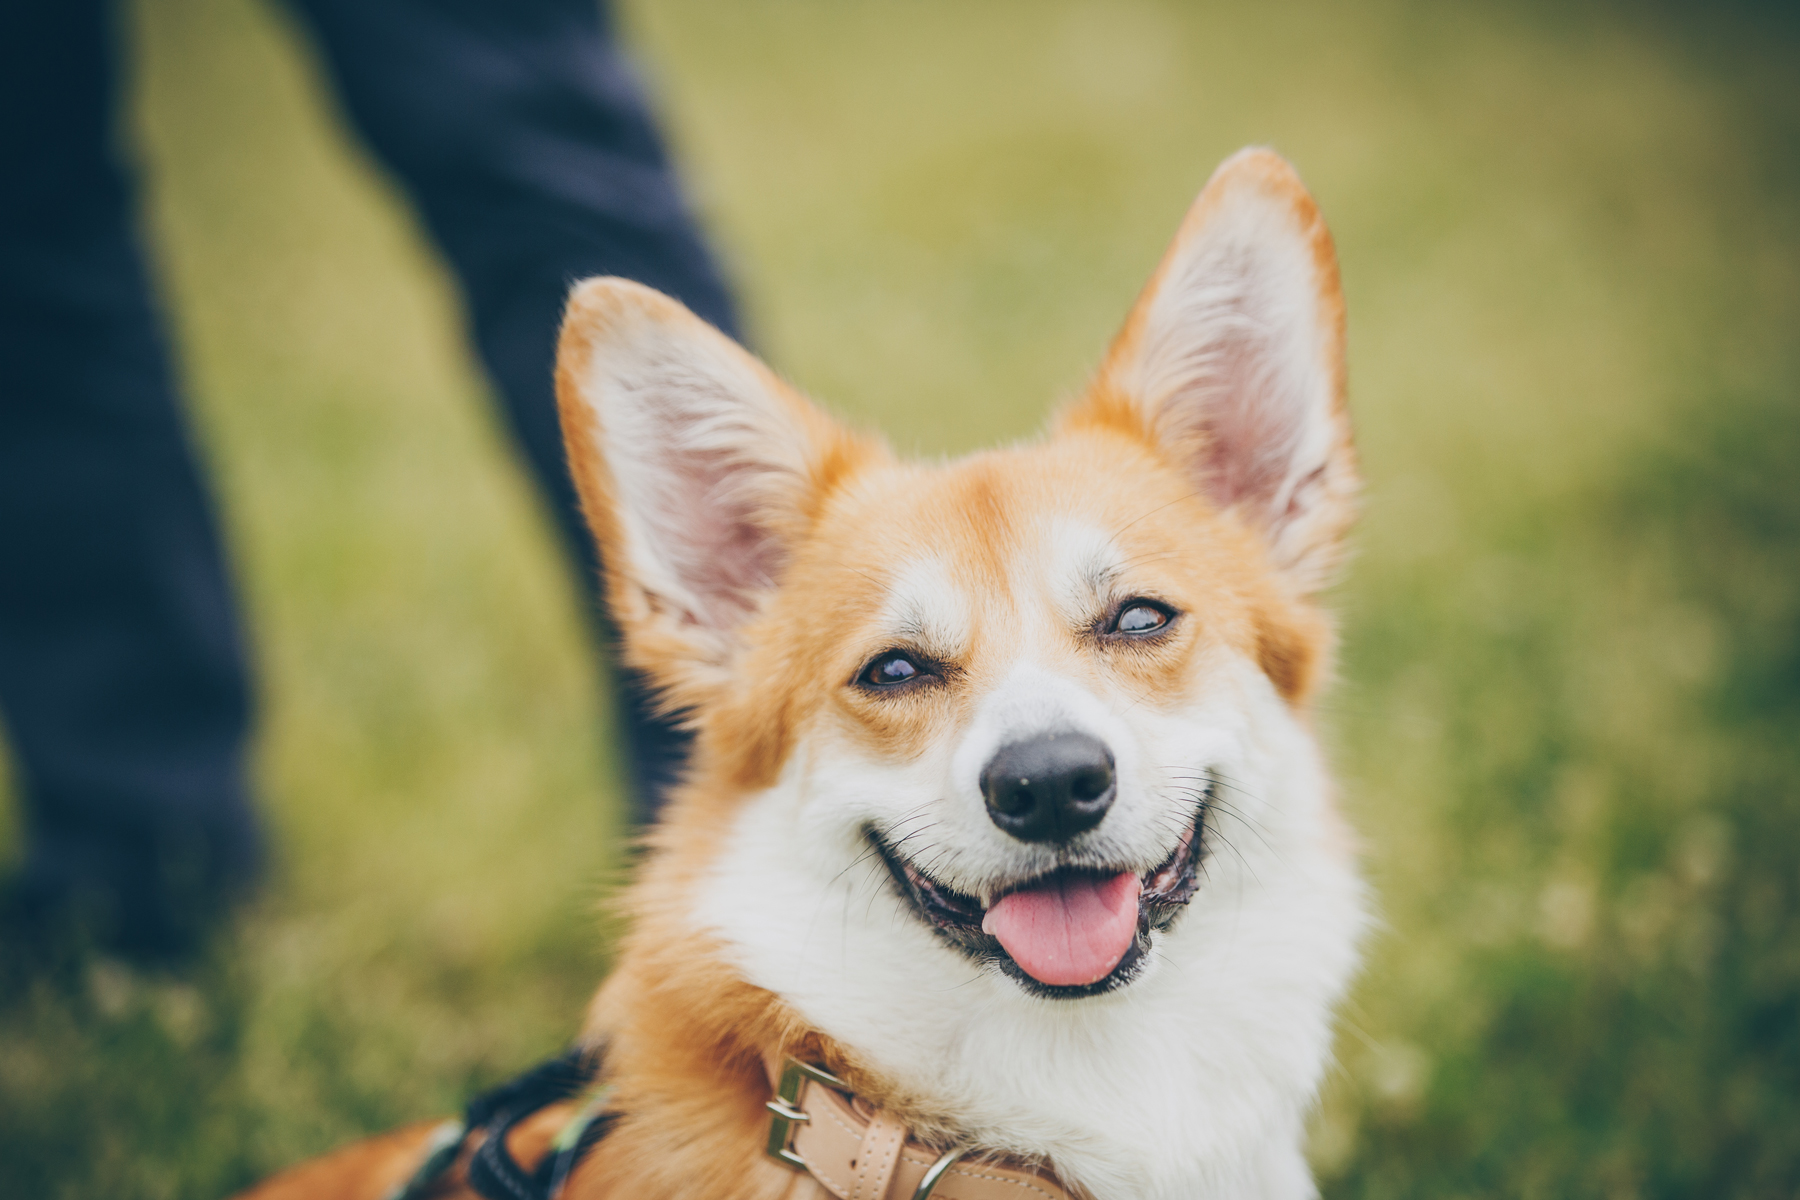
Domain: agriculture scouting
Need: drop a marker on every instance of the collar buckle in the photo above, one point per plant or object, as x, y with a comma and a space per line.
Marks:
785, 1111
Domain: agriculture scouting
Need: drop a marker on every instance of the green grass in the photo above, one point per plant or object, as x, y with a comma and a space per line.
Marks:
1571, 680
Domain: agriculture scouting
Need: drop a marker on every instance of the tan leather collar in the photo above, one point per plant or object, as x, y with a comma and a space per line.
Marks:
857, 1152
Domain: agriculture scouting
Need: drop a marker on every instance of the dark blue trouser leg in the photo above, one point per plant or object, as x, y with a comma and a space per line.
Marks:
521, 134
122, 678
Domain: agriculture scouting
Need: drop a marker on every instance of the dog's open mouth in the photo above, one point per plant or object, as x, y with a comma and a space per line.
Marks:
1078, 931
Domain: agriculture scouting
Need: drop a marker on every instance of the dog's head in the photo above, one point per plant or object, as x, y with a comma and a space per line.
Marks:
1013, 692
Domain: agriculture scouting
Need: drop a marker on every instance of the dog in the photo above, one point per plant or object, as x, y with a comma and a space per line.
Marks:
1006, 864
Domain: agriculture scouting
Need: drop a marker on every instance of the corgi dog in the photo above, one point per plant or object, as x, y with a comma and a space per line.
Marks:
1007, 863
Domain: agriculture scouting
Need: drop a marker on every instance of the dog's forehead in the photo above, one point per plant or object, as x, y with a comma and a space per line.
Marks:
1057, 566
948, 546
1077, 562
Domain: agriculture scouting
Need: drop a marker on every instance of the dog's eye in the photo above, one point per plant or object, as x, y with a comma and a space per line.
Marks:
1139, 617
890, 669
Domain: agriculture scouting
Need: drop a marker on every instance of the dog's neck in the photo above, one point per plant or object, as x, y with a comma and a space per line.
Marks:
849, 1149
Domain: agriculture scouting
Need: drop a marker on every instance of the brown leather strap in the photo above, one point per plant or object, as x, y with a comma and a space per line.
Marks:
856, 1155
877, 1157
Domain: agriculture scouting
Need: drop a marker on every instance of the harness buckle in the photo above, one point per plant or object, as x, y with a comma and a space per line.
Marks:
785, 1111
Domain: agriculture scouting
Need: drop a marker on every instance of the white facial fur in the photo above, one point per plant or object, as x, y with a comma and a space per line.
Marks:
1193, 1079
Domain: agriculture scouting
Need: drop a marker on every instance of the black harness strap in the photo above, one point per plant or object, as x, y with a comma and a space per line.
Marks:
493, 1172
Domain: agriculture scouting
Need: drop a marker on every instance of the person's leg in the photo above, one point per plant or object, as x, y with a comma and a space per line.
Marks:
521, 133
122, 678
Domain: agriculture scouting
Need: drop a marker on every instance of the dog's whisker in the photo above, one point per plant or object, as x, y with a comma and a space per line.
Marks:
854, 863
1194, 495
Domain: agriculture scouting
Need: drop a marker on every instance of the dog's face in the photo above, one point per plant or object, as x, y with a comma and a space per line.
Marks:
1016, 681
1021, 692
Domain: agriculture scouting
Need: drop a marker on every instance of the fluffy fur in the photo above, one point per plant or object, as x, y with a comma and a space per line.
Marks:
762, 556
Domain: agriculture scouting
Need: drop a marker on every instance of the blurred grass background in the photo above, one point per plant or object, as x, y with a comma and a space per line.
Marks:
1571, 684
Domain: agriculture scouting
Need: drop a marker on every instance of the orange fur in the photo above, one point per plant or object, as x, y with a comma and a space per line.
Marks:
365, 1170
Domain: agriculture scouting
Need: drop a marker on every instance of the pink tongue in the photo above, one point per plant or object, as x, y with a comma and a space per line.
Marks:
1071, 929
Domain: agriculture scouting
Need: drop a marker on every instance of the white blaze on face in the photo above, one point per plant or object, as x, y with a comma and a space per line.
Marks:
925, 607
1080, 566
1059, 582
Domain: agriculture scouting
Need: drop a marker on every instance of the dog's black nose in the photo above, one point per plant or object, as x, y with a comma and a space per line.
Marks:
1049, 788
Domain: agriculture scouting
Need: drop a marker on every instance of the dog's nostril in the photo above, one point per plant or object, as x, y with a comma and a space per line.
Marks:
1012, 798
1089, 785
1049, 788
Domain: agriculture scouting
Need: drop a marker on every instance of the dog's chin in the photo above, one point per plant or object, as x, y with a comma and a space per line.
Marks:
958, 917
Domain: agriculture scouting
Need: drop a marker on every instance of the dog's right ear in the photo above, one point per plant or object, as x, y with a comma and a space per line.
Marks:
697, 469
1232, 366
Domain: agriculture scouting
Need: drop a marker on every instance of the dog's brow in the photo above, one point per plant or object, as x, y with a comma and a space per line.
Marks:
1100, 572
909, 625
924, 605
1086, 566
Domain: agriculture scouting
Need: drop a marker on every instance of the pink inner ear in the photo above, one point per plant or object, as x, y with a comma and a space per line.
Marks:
1232, 362
732, 558
700, 490
1251, 432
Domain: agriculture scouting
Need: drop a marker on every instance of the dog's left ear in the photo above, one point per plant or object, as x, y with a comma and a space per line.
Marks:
698, 470
1232, 365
